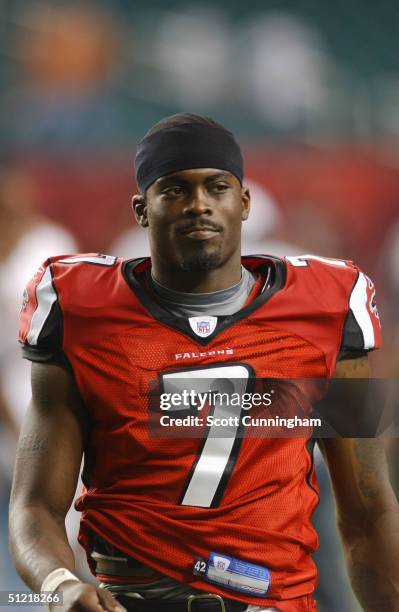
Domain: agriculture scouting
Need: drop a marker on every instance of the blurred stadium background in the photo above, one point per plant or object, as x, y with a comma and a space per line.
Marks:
312, 94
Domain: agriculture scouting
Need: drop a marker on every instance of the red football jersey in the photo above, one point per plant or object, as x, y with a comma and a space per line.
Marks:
145, 495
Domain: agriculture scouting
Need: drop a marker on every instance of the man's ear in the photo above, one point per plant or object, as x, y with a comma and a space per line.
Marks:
140, 209
246, 203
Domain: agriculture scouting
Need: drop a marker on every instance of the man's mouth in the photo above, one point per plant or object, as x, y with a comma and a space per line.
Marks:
200, 232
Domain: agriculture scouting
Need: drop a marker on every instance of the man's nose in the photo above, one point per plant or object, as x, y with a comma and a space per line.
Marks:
197, 204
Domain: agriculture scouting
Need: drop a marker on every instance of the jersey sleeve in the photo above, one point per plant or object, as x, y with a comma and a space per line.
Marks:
362, 329
40, 320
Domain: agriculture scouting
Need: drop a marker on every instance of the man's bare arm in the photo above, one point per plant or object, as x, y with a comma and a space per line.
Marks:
47, 468
46, 472
367, 511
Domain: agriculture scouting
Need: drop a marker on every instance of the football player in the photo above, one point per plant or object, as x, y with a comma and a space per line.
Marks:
190, 524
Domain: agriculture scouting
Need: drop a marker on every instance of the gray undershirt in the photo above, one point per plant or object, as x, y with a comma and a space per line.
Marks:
218, 303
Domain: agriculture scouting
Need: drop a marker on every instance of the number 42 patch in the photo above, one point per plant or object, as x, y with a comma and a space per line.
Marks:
234, 574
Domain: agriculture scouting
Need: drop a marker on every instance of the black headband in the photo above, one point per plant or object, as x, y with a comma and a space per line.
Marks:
184, 147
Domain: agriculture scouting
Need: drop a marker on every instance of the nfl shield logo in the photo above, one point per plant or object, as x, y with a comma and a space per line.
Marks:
203, 326
221, 563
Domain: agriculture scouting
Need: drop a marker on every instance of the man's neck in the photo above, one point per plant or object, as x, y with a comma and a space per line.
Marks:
217, 303
206, 281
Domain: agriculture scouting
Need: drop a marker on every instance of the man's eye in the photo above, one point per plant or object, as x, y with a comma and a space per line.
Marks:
173, 191
219, 187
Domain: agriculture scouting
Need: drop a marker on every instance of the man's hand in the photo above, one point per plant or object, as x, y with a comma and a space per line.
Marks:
81, 597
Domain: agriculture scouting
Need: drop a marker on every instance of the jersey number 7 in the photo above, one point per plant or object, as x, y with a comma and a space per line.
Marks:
214, 464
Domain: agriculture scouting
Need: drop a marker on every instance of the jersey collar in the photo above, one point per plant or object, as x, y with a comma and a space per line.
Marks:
132, 268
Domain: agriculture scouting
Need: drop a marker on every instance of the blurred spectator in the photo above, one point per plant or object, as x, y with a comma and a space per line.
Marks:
261, 231
131, 243
286, 69
193, 48
26, 240
63, 98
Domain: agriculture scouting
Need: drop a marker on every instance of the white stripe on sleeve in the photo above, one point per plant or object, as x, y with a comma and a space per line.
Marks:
358, 305
45, 296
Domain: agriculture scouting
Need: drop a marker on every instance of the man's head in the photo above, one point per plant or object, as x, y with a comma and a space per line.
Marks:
189, 171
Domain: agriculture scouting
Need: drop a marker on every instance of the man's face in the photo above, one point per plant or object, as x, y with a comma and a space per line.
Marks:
194, 218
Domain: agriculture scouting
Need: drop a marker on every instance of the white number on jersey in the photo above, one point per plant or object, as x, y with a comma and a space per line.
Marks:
216, 457
101, 260
302, 261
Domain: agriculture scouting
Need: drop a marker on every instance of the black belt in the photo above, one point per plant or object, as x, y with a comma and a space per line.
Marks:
201, 602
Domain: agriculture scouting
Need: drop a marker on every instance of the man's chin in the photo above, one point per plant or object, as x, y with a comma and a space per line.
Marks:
201, 262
